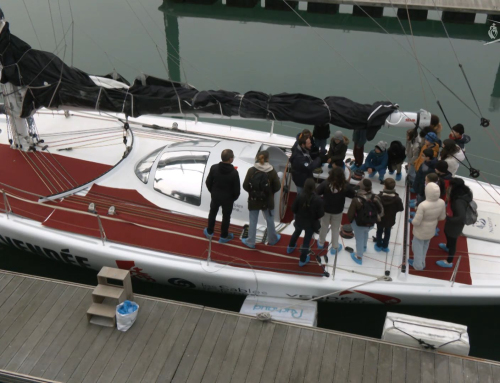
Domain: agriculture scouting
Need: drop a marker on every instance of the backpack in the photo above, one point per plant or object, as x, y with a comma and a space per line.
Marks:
260, 187
471, 213
367, 215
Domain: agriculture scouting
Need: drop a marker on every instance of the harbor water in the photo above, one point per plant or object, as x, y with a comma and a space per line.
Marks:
220, 47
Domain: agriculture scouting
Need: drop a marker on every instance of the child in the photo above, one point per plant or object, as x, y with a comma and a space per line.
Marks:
436, 125
392, 204
427, 167
457, 134
431, 142
338, 147
308, 209
425, 222
444, 176
397, 155
365, 211
376, 161
413, 141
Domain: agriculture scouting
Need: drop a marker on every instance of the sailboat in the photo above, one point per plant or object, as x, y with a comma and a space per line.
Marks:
96, 172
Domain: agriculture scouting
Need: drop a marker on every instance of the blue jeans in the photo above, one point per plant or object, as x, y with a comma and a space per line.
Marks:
321, 145
252, 229
361, 236
304, 250
419, 247
299, 190
411, 173
381, 172
383, 236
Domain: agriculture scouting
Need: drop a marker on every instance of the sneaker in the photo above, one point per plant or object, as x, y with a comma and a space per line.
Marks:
386, 249
305, 262
359, 261
412, 190
209, 236
442, 246
229, 237
277, 240
326, 258
332, 250
412, 214
290, 250
378, 249
321, 247
413, 203
245, 242
436, 233
410, 220
444, 264
398, 177
410, 262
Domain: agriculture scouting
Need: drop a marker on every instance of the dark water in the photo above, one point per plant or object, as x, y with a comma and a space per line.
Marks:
275, 51
366, 320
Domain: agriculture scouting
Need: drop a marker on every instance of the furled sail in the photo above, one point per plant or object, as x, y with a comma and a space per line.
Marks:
46, 81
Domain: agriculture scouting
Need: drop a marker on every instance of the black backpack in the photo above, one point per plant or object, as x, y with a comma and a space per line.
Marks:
260, 187
368, 214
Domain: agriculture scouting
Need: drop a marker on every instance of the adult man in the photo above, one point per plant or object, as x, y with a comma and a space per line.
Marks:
302, 163
223, 183
261, 183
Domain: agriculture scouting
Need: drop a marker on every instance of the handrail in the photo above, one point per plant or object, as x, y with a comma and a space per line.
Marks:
6, 204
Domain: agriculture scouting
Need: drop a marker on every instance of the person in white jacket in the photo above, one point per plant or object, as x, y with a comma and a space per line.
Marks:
453, 155
425, 222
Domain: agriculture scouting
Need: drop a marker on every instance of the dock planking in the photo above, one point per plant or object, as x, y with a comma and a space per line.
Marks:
44, 335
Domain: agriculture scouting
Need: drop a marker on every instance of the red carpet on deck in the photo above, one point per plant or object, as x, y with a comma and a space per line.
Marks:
435, 254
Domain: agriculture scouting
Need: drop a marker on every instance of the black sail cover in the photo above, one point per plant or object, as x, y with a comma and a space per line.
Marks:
50, 83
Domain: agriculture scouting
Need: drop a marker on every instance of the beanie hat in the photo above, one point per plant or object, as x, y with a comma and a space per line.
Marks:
366, 184
338, 135
431, 137
442, 166
429, 153
382, 146
459, 128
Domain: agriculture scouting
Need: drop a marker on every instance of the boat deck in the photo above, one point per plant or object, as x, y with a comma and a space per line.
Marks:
44, 334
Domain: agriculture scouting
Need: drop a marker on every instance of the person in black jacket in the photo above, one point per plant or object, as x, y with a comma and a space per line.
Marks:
334, 190
313, 150
308, 209
261, 200
223, 183
397, 155
392, 204
338, 147
303, 163
458, 200
321, 133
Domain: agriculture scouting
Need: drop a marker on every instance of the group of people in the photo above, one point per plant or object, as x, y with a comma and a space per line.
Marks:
432, 165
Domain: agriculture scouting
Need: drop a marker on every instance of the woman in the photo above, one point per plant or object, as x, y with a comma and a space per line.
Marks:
458, 198
308, 209
413, 141
453, 155
334, 191
365, 211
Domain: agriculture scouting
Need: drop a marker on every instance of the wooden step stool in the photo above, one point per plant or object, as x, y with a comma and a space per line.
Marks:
114, 287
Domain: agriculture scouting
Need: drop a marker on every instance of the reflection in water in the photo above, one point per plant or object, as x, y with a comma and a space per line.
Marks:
495, 95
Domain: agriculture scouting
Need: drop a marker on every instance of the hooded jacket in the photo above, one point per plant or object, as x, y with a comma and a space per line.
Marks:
454, 161
334, 200
223, 182
426, 168
356, 205
338, 151
413, 150
308, 213
314, 151
445, 178
392, 204
459, 202
429, 213
274, 183
421, 158
377, 161
303, 166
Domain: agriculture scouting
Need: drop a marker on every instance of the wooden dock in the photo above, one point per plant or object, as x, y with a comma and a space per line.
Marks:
45, 336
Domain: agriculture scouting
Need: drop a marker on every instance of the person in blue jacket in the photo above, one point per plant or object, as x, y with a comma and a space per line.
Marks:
376, 161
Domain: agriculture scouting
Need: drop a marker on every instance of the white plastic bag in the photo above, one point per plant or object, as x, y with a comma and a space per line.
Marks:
126, 314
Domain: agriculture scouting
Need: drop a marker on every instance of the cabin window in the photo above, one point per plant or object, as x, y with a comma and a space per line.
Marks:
180, 175
143, 168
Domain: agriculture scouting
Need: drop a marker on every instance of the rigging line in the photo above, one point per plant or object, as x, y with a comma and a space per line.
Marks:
72, 32
62, 167
49, 173
26, 156
415, 54
62, 175
74, 139
337, 52
52, 20
32, 25
56, 175
89, 142
62, 23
